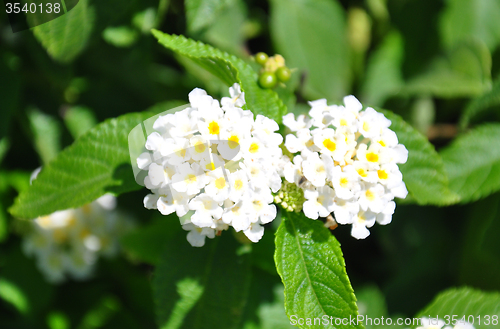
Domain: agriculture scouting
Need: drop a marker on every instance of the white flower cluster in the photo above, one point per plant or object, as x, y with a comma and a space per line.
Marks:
435, 323
69, 242
217, 161
347, 164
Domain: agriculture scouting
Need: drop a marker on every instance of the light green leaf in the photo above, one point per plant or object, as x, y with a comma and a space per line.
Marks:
488, 102
226, 32
310, 263
79, 120
10, 293
201, 287
465, 301
98, 162
229, 69
383, 74
120, 36
464, 72
424, 173
46, 134
463, 20
65, 37
473, 163
202, 13
311, 35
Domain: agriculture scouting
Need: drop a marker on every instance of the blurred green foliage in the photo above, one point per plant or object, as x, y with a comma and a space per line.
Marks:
435, 64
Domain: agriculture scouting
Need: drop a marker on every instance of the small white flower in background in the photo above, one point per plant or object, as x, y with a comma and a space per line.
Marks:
69, 242
216, 161
347, 164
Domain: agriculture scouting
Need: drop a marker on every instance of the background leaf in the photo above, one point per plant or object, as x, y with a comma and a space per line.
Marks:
465, 301
311, 35
488, 102
226, 66
310, 263
205, 290
96, 163
472, 162
424, 173
65, 37
79, 120
464, 20
465, 71
202, 13
46, 134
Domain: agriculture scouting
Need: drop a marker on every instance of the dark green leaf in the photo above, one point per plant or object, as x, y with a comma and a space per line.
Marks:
98, 162
201, 287
424, 173
464, 72
311, 265
472, 162
311, 35
229, 69
488, 102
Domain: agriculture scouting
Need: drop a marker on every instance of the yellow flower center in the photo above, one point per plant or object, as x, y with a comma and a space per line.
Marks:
331, 146
370, 195
233, 141
382, 174
220, 183
190, 179
362, 172
213, 128
366, 126
210, 166
254, 147
343, 122
238, 184
382, 143
372, 157
199, 147
343, 182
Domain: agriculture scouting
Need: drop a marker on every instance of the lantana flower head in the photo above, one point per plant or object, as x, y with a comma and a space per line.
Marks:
346, 162
214, 165
69, 242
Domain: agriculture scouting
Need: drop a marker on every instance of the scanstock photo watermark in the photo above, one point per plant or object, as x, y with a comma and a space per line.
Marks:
25, 14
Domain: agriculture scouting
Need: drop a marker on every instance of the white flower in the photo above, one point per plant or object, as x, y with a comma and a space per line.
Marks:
316, 170
215, 166
206, 210
431, 323
354, 154
69, 242
319, 202
196, 236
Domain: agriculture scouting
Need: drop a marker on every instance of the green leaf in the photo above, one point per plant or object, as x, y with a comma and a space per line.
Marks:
488, 102
79, 120
465, 301
65, 37
46, 135
424, 173
120, 36
229, 69
464, 20
473, 163
311, 35
464, 72
383, 73
201, 287
202, 13
480, 260
310, 263
98, 162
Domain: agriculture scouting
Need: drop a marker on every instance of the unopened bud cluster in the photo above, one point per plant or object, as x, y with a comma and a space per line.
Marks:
273, 70
290, 197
